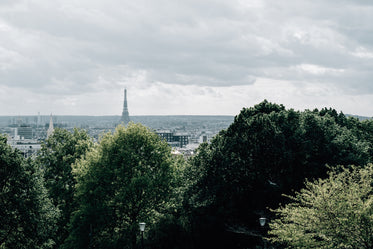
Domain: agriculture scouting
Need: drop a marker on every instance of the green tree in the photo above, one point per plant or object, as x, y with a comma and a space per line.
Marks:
336, 212
170, 231
27, 215
265, 152
233, 176
125, 179
56, 157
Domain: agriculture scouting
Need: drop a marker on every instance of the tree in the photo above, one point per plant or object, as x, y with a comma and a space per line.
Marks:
170, 231
125, 179
265, 152
239, 174
336, 212
27, 215
57, 155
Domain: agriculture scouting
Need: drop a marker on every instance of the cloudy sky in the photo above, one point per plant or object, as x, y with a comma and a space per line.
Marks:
210, 57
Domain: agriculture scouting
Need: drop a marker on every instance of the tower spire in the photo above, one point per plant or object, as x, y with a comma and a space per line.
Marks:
125, 115
51, 127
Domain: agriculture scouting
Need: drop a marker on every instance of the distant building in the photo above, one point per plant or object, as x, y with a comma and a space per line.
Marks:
187, 151
204, 139
25, 131
181, 138
125, 119
166, 135
174, 139
28, 147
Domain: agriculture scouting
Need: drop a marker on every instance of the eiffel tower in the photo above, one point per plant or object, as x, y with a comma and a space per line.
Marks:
125, 116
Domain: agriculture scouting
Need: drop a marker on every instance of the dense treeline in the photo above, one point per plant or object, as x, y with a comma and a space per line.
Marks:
77, 194
267, 151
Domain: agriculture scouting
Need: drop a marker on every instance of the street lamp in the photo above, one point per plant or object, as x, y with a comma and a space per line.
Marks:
262, 221
142, 229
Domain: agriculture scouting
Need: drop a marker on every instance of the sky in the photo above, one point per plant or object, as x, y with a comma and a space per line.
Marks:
184, 57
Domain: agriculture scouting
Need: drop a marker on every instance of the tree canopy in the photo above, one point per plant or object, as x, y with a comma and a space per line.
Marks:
336, 212
27, 215
125, 179
268, 150
56, 157
76, 194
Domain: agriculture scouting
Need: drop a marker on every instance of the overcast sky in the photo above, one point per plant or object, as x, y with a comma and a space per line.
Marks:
208, 57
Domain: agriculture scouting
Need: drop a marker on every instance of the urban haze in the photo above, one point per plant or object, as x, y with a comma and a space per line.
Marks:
186, 124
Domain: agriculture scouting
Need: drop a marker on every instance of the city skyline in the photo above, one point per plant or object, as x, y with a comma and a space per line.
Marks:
184, 57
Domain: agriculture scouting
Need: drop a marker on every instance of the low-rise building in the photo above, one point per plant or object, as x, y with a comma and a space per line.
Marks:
174, 139
28, 147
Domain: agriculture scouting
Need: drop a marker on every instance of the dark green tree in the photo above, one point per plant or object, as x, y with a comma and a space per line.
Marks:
27, 215
267, 151
56, 157
170, 231
125, 179
336, 212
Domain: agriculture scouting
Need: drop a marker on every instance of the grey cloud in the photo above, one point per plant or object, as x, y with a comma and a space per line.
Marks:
212, 43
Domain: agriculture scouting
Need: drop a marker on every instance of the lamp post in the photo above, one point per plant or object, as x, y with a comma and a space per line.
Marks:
262, 222
142, 229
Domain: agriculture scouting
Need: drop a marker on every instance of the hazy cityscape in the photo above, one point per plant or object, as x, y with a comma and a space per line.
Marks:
216, 124
184, 133
32, 130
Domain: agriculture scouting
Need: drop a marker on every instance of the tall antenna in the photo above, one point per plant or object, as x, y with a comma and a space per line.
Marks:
125, 115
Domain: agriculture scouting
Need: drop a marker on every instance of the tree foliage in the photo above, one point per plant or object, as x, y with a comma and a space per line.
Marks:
267, 151
56, 157
336, 212
214, 201
27, 215
125, 179
170, 231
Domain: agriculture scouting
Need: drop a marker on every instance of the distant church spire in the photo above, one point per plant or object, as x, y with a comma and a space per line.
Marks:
51, 128
125, 115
